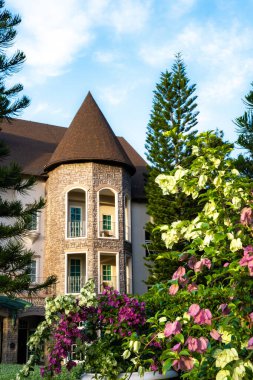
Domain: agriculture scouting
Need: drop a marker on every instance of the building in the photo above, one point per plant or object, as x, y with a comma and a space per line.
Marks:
93, 222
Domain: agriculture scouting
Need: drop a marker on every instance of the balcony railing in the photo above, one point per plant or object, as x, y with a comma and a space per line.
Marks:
75, 284
76, 229
111, 282
107, 230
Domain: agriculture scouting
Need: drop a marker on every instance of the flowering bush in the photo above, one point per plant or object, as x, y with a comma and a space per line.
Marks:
204, 315
93, 327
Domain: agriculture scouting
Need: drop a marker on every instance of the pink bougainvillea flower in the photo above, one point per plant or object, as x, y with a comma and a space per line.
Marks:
215, 335
197, 344
194, 309
226, 265
248, 249
192, 261
192, 287
250, 344
185, 363
192, 343
224, 309
180, 272
183, 257
176, 348
154, 367
172, 328
203, 317
247, 260
246, 216
173, 289
202, 263
251, 317
200, 316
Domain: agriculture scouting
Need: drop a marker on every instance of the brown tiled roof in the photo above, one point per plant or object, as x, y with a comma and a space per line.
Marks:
32, 144
138, 179
89, 138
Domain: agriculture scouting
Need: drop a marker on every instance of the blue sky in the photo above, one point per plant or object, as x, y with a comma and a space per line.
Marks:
117, 49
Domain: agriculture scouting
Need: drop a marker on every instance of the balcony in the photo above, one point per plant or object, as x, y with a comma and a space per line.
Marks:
76, 229
75, 283
111, 283
107, 231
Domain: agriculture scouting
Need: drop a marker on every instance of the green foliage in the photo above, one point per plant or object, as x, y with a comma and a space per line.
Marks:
244, 125
9, 104
15, 218
9, 371
172, 118
210, 293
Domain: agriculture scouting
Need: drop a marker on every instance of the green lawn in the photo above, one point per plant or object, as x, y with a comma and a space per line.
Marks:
8, 372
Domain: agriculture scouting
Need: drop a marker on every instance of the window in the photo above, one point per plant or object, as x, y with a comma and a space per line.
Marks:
75, 221
75, 275
33, 270
107, 272
33, 225
107, 222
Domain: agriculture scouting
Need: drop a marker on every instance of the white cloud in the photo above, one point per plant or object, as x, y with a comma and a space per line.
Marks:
53, 33
128, 16
180, 8
220, 56
105, 57
113, 95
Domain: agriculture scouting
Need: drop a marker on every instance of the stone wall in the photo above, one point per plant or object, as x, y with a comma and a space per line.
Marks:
91, 177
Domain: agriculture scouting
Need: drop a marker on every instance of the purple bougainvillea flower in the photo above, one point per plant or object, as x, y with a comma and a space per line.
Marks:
224, 309
192, 261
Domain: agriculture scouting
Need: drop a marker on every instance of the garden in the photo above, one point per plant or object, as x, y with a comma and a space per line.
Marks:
197, 325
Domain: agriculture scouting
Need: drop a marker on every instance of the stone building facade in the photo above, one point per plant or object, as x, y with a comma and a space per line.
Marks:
93, 223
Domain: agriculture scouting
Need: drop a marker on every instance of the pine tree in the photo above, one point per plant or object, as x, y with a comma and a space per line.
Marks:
15, 218
171, 124
244, 125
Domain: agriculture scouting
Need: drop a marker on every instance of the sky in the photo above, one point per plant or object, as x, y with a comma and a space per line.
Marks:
117, 49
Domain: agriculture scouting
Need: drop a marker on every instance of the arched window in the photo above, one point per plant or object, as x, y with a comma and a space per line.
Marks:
108, 221
76, 214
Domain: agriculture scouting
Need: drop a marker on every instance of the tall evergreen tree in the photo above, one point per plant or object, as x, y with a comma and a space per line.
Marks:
171, 124
15, 218
244, 125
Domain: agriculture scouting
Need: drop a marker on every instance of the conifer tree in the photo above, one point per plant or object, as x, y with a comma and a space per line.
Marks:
15, 218
244, 124
171, 124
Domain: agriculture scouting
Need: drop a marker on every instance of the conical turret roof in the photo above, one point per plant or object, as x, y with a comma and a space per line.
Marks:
89, 138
